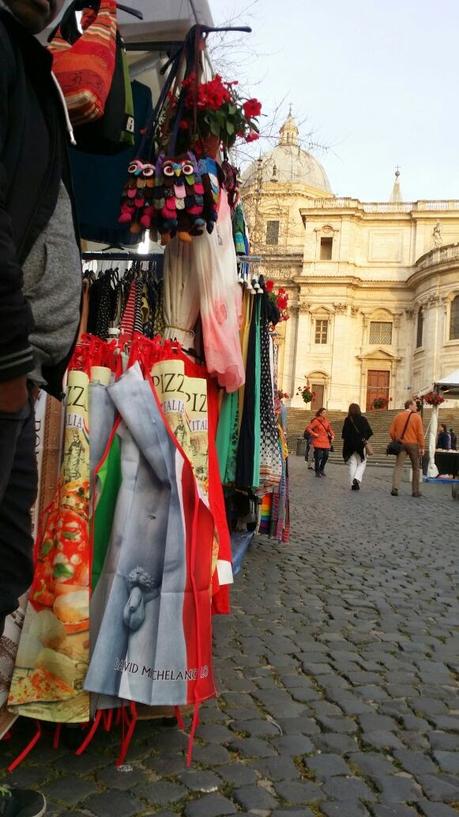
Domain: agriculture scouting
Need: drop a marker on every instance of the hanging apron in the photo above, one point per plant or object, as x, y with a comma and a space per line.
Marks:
152, 600
53, 651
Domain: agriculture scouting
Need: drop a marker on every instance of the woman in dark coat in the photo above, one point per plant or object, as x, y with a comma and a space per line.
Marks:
356, 433
444, 438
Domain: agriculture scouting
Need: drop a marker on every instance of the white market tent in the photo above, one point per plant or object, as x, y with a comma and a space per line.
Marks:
448, 387
164, 21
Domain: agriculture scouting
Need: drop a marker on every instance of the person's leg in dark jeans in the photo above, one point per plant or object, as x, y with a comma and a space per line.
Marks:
18, 489
325, 455
318, 454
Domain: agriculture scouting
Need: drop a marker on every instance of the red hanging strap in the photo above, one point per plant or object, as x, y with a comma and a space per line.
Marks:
108, 719
179, 718
57, 736
92, 731
27, 749
192, 735
126, 741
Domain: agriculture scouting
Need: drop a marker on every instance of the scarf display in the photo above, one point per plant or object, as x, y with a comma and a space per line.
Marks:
251, 438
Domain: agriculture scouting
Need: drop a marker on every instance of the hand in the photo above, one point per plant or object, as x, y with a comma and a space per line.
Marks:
13, 395
421, 452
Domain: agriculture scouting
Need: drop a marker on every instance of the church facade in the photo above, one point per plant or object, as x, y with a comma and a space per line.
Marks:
373, 286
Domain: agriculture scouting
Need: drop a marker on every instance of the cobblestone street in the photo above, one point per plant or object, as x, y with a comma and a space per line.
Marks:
337, 674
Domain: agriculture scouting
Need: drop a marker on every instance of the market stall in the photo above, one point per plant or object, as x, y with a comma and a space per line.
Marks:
171, 425
443, 389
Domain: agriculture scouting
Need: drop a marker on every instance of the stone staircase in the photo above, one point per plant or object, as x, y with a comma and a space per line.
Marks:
379, 420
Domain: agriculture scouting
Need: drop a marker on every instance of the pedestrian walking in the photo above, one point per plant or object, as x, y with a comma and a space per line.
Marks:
407, 429
444, 438
453, 439
40, 288
309, 450
356, 433
322, 436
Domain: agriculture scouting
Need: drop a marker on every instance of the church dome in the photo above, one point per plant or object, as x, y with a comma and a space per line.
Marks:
288, 163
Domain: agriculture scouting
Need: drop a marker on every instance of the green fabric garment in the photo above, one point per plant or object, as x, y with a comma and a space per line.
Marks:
108, 482
239, 231
228, 437
257, 388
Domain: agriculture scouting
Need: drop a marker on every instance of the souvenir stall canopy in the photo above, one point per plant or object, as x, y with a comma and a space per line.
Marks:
447, 388
163, 23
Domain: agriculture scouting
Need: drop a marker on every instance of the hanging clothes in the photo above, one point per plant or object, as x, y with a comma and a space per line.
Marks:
124, 296
248, 454
270, 449
215, 263
181, 293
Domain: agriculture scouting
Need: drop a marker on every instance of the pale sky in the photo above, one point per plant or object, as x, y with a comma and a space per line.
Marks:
377, 81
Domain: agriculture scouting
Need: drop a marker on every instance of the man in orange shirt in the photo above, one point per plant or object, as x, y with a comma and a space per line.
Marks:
408, 429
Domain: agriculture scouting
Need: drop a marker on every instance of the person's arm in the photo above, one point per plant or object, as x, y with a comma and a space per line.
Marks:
344, 431
16, 356
311, 429
392, 433
368, 430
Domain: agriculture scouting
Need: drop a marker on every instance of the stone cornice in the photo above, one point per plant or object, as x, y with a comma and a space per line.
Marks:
277, 192
427, 208
279, 257
354, 282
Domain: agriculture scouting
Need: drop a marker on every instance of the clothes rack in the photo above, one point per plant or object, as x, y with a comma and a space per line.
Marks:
100, 255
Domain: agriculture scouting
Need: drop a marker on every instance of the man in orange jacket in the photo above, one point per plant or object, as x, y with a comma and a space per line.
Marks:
408, 429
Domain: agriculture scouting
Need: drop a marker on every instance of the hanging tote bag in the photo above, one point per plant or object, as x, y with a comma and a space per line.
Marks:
85, 67
114, 131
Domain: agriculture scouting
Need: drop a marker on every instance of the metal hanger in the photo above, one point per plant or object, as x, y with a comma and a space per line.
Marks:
129, 10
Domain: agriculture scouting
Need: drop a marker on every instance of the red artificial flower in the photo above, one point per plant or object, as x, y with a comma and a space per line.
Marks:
252, 136
184, 124
269, 285
212, 94
189, 80
252, 107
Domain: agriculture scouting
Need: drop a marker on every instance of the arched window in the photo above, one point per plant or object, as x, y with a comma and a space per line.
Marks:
419, 328
454, 320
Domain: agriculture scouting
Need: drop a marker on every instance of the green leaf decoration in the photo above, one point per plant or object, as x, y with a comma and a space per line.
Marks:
62, 571
214, 128
47, 547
